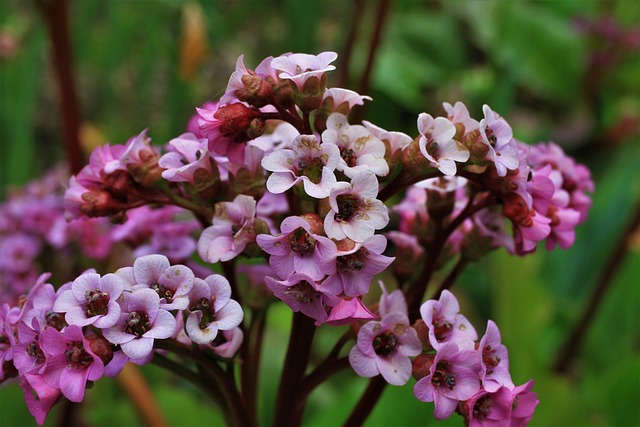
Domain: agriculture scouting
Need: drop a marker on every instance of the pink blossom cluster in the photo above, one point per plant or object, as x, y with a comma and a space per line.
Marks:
453, 369
58, 341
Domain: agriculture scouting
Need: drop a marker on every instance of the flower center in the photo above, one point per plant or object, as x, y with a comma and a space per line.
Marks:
385, 344
302, 292
347, 207
301, 242
482, 407
76, 356
33, 350
137, 323
55, 320
442, 377
208, 313
432, 149
311, 167
490, 359
349, 156
97, 303
352, 262
163, 292
441, 329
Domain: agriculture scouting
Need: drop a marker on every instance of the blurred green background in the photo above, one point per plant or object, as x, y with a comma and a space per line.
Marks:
567, 71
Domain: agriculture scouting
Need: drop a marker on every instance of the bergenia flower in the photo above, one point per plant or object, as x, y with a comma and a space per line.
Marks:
70, 361
487, 409
227, 343
142, 321
189, 156
309, 162
211, 309
92, 300
348, 310
384, 347
356, 266
300, 67
355, 212
359, 149
171, 283
394, 141
437, 143
494, 359
458, 114
303, 294
299, 249
234, 226
446, 324
39, 396
498, 136
452, 378
524, 404
343, 100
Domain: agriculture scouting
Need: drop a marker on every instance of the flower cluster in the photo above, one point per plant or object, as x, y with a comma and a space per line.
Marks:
453, 369
59, 340
274, 171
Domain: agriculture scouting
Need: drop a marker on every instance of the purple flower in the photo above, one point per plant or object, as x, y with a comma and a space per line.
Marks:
355, 212
489, 409
28, 357
494, 360
172, 283
446, 324
356, 267
211, 309
141, 322
348, 310
70, 361
303, 294
92, 300
452, 378
18, 252
39, 396
394, 141
234, 226
299, 250
385, 347
524, 404
498, 137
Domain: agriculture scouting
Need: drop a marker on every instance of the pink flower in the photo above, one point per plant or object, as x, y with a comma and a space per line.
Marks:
299, 250
458, 114
355, 212
348, 310
359, 149
343, 99
39, 396
211, 309
92, 300
234, 226
489, 409
249, 85
385, 347
309, 162
300, 67
303, 294
188, 158
524, 404
394, 141
437, 143
142, 321
70, 361
227, 343
356, 267
452, 378
498, 136
494, 360
171, 283
446, 324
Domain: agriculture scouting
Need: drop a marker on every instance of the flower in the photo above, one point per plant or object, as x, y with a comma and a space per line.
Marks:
92, 300
494, 359
188, 158
300, 67
298, 249
487, 409
355, 212
452, 378
446, 324
234, 226
437, 143
359, 149
211, 309
141, 322
524, 404
309, 162
498, 136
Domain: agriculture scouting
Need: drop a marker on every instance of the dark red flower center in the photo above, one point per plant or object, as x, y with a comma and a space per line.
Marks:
97, 303
137, 323
385, 344
443, 377
76, 356
347, 207
301, 242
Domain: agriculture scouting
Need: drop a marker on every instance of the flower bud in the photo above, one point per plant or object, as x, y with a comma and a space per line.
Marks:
316, 223
421, 366
235, 118
412, 159
101, 348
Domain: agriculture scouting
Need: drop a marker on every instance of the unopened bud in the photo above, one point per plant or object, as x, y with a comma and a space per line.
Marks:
235, 118
316, 223
421, 366
312, 93
101, 348
413, 160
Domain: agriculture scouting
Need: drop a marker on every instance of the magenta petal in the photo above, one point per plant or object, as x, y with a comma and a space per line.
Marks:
73, 383
443, 406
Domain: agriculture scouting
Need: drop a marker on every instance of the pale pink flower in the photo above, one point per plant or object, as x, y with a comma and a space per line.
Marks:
458, 114
359, 149
189, 156
437, 143
299, 67
446, 324
452, 378
498, 136
396, 141
309, 162
355, 212
344, 99
232, 229
494, 360
227, 343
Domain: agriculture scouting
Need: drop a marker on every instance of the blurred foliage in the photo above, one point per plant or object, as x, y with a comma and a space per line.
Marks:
555, 69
